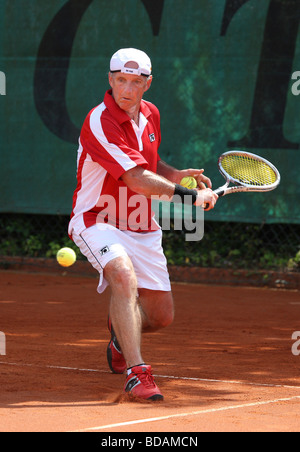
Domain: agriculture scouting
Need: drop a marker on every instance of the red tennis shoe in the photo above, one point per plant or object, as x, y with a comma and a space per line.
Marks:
140, 383
115, 358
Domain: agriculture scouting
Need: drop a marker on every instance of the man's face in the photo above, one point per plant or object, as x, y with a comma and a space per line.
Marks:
128, 89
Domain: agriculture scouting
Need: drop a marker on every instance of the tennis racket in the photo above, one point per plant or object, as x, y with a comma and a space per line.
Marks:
248, 172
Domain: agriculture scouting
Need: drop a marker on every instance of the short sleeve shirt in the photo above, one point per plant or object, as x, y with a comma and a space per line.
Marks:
110, 144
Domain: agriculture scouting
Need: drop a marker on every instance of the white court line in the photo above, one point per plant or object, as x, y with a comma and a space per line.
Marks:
170, 377
56, 367
171, 416
233, 382
192, 413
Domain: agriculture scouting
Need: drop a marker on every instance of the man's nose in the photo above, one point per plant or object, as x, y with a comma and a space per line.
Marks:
128, 88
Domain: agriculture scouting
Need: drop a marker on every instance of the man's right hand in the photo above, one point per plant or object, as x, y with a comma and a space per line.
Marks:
206, 199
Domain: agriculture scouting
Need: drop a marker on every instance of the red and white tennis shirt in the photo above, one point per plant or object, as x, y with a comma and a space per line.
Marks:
110, 144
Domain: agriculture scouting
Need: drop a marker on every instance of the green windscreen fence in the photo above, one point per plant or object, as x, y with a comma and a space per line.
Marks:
226, 76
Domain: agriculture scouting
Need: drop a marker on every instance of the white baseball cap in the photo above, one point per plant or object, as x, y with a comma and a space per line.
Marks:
131, 61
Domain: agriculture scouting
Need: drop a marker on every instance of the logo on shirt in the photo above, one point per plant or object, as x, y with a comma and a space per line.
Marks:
152, 137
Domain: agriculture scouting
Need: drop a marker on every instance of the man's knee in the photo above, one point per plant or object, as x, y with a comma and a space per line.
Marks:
120, 275
161, 319
164, 318
159, 309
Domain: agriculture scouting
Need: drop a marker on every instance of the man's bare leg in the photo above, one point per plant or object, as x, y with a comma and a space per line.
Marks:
129, 314
157, 309
124, 310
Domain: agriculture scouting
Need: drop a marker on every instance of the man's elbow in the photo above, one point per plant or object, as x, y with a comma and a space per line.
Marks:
132, 178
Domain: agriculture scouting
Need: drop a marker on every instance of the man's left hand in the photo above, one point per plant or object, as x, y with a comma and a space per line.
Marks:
202, 180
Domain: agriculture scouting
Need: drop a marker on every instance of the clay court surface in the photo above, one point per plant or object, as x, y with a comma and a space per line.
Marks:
224, 365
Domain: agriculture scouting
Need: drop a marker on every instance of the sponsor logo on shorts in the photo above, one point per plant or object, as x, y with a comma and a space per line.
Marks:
104, 250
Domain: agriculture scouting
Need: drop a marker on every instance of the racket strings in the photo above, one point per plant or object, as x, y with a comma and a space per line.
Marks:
248, 170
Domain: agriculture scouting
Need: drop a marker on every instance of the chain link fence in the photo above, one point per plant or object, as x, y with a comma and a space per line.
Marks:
224, 245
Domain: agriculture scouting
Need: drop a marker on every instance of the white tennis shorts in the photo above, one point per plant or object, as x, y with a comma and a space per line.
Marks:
102, 242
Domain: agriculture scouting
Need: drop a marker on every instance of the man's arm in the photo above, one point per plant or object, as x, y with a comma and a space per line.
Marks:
147, 183
167, 171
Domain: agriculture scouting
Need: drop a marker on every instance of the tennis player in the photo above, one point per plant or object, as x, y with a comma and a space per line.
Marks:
118, 170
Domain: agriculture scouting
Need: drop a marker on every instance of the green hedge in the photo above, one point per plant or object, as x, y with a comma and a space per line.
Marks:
224, 245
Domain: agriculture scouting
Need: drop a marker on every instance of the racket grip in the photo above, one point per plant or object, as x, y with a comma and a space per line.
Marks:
219, 192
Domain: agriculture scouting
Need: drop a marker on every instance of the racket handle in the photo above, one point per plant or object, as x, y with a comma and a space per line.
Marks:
220, 192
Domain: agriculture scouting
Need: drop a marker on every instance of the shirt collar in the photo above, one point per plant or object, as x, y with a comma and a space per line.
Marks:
119, 114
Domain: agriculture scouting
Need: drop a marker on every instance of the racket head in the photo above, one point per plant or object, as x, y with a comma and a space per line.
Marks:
248, 171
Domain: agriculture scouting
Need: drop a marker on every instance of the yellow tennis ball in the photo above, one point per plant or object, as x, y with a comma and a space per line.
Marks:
66, 257
189, 182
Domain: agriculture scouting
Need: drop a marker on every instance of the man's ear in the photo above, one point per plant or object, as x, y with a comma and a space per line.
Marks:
110, 79
149, 81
